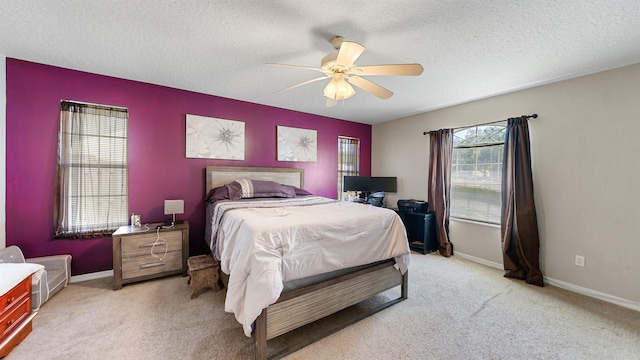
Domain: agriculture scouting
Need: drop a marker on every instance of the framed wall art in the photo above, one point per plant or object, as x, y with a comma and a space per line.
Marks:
213, 138
295, 144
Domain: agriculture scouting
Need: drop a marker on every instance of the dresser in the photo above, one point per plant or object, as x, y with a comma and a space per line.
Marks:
15, 304
143, 253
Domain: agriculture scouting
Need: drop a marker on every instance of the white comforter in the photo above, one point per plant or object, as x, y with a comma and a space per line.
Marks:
263, 246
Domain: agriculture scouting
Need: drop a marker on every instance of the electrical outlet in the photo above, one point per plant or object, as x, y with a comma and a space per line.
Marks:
580, 260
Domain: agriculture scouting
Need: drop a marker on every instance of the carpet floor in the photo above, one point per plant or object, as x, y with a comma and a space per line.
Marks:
456, 310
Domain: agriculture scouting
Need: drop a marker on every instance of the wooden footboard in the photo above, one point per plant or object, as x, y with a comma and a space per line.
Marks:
302, 306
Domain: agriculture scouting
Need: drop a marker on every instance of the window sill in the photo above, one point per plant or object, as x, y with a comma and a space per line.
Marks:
475, 222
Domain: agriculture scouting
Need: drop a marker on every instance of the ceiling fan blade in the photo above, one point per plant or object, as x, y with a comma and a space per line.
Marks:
304, 83
330, 102
297, 67
348, 53
393, 69
370, 87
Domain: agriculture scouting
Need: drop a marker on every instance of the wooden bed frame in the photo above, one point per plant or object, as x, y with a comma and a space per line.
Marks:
303, 306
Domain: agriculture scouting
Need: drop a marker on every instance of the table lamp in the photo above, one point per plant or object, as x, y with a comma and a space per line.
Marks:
173, 207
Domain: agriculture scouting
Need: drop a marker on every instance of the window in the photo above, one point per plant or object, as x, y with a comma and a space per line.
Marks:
476, 173
92, 176
348, 160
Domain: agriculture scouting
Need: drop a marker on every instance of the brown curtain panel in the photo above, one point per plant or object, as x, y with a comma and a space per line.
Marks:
519, 225
439, 194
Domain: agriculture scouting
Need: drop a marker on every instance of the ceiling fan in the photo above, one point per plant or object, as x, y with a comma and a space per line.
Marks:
343, 72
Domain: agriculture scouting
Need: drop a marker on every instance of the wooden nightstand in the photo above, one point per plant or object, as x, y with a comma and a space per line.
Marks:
133, 259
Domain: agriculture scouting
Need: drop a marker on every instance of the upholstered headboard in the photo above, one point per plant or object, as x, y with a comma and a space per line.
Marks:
221, 175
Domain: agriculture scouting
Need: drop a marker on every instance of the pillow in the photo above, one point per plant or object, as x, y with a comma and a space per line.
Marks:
218, 193
246, 188
301, 192
235, 190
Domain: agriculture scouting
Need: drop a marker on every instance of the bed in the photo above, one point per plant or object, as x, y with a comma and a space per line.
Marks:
275, 287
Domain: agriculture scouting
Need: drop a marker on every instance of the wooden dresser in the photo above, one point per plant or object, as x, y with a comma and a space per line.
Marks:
15, 314
140, 254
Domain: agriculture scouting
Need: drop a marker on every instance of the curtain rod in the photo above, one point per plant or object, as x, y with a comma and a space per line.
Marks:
96, 105
487, 123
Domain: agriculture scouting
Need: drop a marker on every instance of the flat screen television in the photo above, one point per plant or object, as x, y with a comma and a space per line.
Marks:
356, 183
386, 184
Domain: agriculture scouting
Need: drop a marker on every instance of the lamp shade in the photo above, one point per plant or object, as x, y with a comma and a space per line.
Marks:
173, 207
338, 88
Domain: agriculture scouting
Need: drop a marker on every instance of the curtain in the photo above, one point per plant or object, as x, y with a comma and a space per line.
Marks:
91, 189
439, 194
519, 225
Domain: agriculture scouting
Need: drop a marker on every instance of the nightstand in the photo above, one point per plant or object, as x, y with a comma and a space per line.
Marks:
140, 254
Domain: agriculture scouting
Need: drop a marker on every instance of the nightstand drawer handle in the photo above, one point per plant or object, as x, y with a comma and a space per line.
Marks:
11, 299
10, 322
162, 242
149, 265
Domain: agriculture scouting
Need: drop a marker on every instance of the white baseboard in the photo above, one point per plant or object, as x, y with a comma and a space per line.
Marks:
633, 305
478, 260
91, 276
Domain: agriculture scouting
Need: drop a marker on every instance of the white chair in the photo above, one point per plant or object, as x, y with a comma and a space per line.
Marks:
54, 277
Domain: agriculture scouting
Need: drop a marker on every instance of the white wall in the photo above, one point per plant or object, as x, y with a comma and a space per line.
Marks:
3, 149
586, 168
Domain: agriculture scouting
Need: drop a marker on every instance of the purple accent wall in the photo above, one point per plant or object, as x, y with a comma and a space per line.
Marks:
158, 168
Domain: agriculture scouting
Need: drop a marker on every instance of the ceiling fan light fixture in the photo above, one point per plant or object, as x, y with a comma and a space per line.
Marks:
342, 71
339, 89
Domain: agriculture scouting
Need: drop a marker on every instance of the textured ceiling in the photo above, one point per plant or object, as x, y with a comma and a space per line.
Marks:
469, 49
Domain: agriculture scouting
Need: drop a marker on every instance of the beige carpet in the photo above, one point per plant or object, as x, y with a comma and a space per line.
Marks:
456, 310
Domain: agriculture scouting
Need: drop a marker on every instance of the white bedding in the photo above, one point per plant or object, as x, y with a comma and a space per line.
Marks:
272, 241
